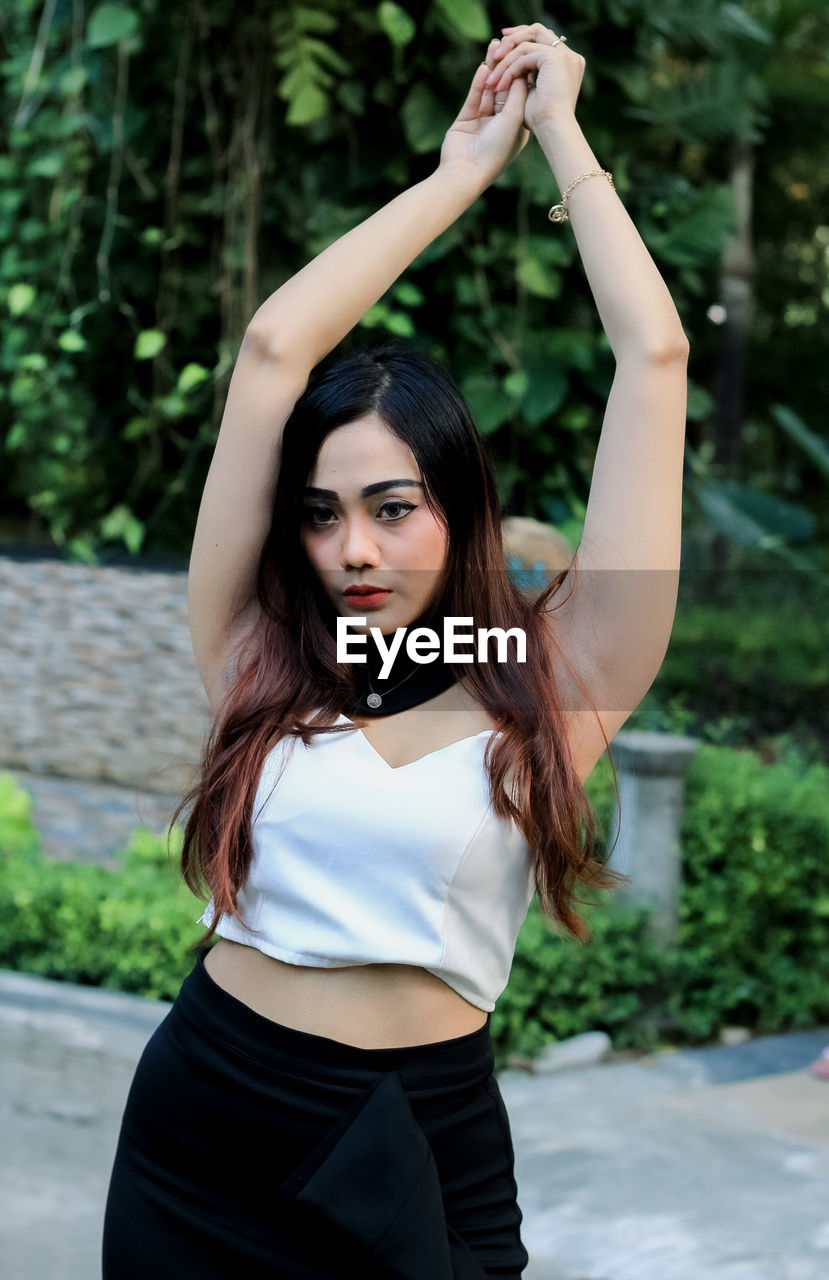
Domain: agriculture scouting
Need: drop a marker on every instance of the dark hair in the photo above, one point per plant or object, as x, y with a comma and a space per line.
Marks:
287, 667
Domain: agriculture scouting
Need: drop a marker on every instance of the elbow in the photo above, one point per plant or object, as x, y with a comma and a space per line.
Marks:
266, 339
272, 338
677, 348
663, 348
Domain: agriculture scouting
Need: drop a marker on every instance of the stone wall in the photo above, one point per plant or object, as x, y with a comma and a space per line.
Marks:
102, 711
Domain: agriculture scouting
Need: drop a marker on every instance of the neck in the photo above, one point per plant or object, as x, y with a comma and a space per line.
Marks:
407, 684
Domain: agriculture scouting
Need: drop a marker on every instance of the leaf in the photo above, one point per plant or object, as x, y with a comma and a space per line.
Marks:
308, 104
490, 404
314, 20
381, 316
469, 17
515, 384
700, 402
573, 348
108, 24
401, 324
547, 380
71, 340
321, 52
173, 405
16, 438
35, 361
811, 443
425, 120
538, 279
754, 519
148, 344
20, 298
733, 18
722, 102
546, 392
696, 238
396, 23
191, 375
121, 523
408, 294
136, 427
72, 81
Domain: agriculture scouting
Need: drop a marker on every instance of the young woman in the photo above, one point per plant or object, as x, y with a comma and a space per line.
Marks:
320, 1099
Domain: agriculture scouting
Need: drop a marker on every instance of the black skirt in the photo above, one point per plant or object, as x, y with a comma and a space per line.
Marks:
251, 1149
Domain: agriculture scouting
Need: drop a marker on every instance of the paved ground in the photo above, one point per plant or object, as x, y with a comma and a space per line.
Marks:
701, 1165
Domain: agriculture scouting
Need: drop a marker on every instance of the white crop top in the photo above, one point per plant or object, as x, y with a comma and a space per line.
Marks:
355, 862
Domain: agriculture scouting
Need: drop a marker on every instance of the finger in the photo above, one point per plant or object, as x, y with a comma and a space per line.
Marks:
518, 71
489, 59
525, 47
511, 101
516, 100
504, 45
511, 36
519, 66
472, 107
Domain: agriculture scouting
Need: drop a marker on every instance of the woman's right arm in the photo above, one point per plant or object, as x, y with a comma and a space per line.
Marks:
289, 334
308, 315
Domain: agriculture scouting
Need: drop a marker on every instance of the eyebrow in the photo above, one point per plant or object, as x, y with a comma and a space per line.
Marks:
367, 492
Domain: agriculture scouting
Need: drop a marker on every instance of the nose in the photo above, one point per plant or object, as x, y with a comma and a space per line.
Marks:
358, 548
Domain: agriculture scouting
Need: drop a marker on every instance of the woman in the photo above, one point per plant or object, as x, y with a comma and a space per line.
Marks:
320, 1101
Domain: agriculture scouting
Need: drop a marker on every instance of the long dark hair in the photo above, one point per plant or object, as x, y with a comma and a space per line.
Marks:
287, 668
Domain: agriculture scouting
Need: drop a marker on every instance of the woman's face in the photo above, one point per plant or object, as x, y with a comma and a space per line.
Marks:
366, 521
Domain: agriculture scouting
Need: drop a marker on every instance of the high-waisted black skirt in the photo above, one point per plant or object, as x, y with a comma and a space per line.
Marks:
252, 1150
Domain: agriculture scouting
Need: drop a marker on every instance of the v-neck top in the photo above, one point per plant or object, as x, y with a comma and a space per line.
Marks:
356, 861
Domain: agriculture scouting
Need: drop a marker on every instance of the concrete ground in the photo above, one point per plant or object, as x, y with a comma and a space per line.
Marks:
707, 1164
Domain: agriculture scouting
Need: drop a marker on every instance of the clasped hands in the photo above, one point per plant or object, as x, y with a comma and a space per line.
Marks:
525, 82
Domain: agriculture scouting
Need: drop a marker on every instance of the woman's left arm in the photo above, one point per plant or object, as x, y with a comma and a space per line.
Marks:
616, 624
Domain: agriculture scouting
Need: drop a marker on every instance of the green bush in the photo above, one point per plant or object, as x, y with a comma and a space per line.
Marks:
127, 928
752, 949
754, 928
753, 941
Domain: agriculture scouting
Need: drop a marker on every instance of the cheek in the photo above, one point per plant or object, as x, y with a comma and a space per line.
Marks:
313, 550
426, 541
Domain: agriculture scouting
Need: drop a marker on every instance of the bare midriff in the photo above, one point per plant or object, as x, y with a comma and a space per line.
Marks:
372, 1006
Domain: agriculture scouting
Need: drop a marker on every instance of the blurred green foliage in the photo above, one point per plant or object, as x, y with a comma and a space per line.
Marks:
165, 166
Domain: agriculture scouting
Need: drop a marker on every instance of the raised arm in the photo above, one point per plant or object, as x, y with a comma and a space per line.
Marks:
289, 334
617, 622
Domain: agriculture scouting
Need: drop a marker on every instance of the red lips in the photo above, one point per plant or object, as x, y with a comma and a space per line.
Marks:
365, 589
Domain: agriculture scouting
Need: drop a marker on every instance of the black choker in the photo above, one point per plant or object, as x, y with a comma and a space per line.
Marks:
407, 684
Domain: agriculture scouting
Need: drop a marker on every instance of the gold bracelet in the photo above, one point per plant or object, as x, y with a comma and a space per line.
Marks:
559, 213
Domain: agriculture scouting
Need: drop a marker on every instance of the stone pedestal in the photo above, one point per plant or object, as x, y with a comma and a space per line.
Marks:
651, 768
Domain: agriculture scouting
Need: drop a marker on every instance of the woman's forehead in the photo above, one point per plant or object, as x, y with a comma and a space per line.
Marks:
361, 452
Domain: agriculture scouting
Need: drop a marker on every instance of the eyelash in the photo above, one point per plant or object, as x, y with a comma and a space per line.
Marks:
391, 502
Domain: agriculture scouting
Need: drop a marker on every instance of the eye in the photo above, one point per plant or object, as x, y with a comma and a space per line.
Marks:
403, 507
310, 513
